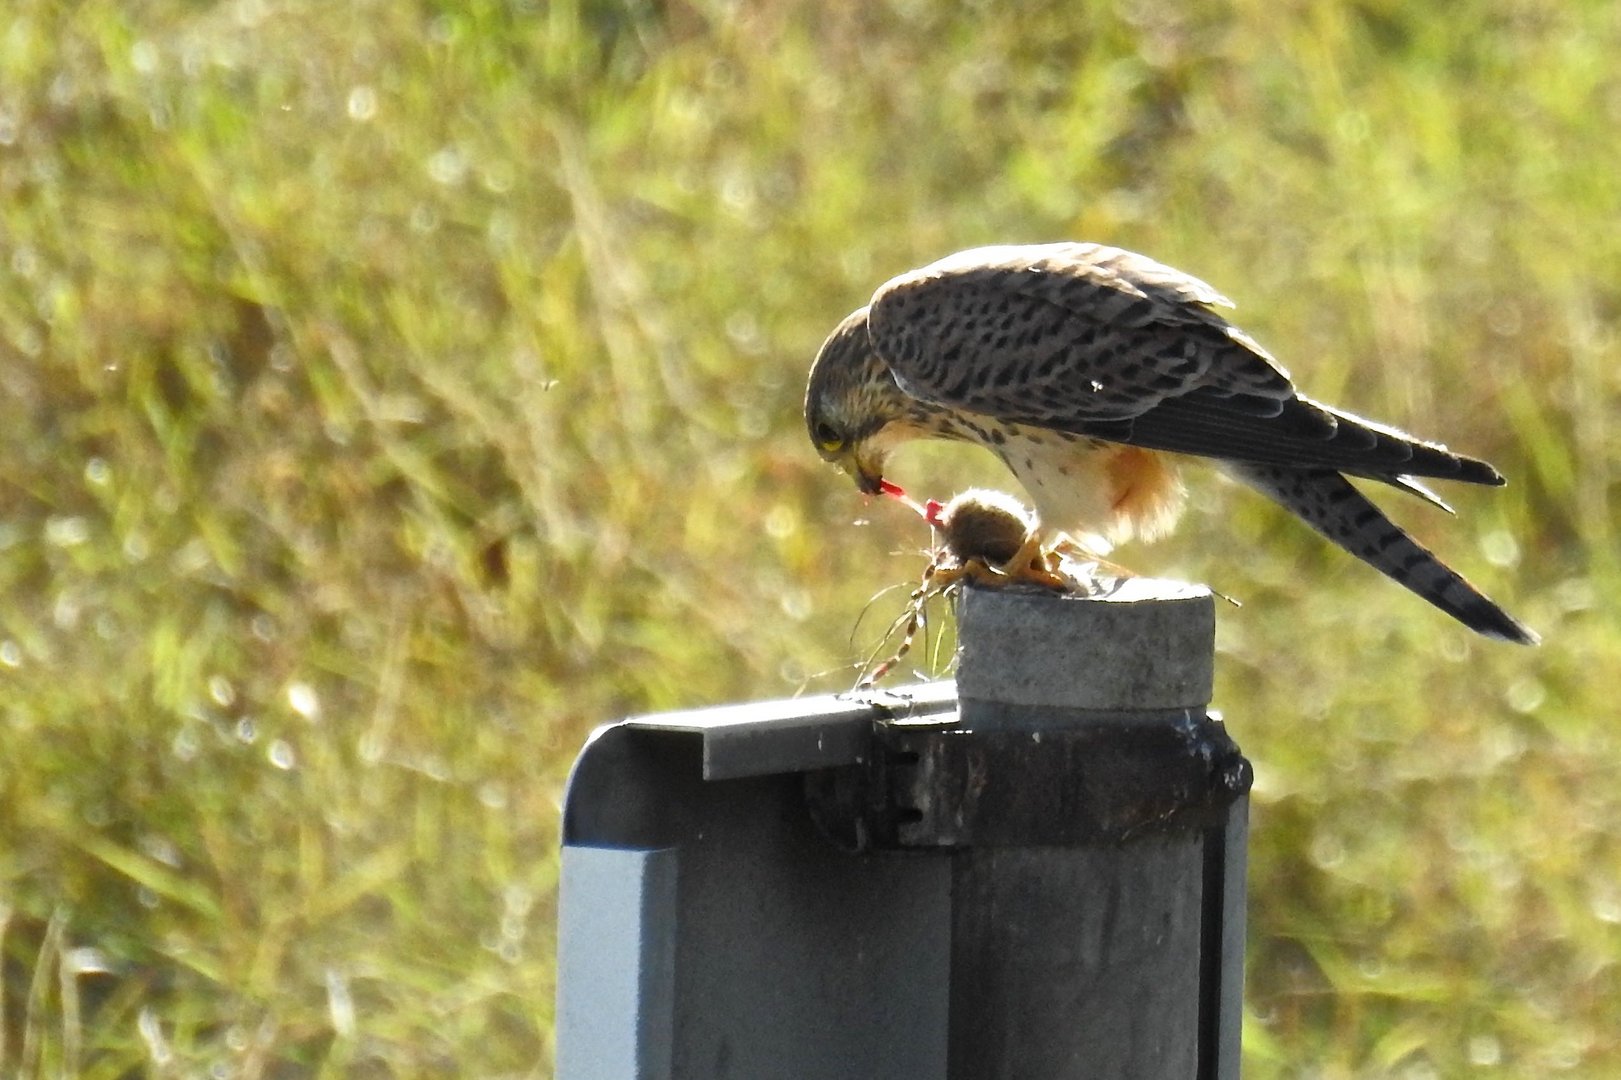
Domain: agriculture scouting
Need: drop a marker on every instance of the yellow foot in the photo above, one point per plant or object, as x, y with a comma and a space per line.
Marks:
1033, 566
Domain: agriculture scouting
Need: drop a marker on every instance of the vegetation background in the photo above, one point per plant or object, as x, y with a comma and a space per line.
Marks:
392, 391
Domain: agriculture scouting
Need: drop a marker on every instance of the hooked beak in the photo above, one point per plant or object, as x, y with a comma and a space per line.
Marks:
870, 482
866, 470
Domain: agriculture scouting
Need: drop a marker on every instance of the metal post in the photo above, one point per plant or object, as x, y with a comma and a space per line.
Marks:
1097, 871
1040, 875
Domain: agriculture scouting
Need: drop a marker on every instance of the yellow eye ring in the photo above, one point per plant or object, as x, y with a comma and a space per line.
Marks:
827, 438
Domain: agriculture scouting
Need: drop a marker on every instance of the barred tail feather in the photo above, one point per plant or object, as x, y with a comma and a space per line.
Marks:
1328, 502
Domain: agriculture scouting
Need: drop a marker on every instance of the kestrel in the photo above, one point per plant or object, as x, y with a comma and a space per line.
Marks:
1091, 372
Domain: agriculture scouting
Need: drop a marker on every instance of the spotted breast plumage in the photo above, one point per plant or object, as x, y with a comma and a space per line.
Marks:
1090, 371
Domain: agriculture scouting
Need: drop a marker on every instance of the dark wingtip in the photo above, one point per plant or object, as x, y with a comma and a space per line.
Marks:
1436, 461
1475, 471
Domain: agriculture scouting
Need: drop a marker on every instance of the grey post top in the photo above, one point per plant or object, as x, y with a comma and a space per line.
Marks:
1147, 645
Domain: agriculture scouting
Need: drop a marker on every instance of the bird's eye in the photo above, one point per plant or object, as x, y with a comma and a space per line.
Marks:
827, 438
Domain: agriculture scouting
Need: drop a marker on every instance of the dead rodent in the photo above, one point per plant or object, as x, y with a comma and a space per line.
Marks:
981, 524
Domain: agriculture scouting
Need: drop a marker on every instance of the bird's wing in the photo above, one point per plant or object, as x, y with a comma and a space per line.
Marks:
1107, 343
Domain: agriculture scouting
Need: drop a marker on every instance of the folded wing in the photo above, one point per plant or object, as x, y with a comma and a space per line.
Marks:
1113, 345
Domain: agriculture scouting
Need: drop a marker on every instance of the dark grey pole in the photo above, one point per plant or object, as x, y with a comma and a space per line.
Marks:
1094, 815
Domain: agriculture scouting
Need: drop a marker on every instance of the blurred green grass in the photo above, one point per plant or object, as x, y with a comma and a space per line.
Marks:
393, 392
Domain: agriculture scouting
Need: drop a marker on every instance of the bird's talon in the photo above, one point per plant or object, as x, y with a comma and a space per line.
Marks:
1043, 570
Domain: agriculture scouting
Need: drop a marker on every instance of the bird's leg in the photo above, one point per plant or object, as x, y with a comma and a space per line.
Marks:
1082, 565
1034, 565
1078, 551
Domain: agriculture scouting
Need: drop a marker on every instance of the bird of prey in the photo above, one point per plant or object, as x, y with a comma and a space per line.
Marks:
1091, 372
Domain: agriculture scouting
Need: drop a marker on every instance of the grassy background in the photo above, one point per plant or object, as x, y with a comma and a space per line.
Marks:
392, 392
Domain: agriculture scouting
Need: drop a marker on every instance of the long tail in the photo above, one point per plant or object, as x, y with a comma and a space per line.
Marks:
1327, 502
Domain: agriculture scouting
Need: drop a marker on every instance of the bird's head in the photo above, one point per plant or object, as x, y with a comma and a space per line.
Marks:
854, 410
